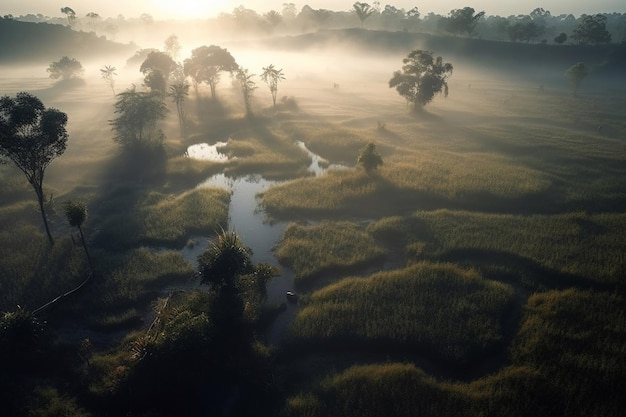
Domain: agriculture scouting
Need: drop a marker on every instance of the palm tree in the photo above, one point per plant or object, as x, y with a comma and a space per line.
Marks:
178, 92
363, 11
108, 72
76, 214
225, 260
247, 88
272, 76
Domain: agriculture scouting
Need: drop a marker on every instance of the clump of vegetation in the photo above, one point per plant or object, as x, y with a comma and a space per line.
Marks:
369, 158
327, 247
438, 309
66, 69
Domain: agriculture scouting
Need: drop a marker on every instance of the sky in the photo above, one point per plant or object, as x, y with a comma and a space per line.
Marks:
170, 9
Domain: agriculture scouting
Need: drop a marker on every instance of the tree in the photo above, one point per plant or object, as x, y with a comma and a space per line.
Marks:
172, 46
76, 214
32, 136
157, 68
422, 77
592, 30
136, 124
207, 63
575, 74
66, 69
178, 92
108, 73
561, 38
224, 261
363, 11
273, 18
247, 88
462, 21
369, 158
70, 14
272, 76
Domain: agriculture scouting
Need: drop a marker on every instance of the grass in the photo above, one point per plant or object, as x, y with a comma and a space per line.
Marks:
325, 248
585, 247
440, 310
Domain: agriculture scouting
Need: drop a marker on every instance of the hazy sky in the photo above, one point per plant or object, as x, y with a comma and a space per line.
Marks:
204, 8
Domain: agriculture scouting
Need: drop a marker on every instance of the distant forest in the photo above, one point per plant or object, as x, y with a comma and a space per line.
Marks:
538, 26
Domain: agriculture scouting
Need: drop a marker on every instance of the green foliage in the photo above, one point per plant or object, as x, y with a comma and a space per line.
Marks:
438, 309
138, 112
329, 246
207, 63
592, 30
422, 77
32, 136
272, 76
225, 260
462, 21
247, 87
369, 158
75, 213
157, 68
66, 69
48, 402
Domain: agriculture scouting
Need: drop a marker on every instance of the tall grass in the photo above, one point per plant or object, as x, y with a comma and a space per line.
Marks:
440, 310
588, 246
327, 247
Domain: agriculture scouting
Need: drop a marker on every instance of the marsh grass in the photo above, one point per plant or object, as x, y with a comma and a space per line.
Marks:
329, 247
439, 310
574, 246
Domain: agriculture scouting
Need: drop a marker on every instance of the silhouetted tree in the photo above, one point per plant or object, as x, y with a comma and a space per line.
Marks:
157, 68
136, 124
561, 38
272, 76
273, 18
592, 30
179, 92
70, 14
207, 63
363, 11
247, 88
422, 77
369, 158
108, 74
76, 214
462, 21
576, 74
225, 260
66, 69
32, 136
93, 18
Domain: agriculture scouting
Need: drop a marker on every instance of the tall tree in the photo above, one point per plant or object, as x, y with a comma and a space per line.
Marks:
179, 92
272, 76
70, 14
108, 74
207, 63
576, 74
422, 76
172, 46
247, 88
273, 18
157, 68
76, 214
138, 114
463, 21
592, 30
363, 11
32, 137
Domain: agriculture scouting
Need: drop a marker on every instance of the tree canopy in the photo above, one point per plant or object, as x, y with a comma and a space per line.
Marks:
592, 30
65, 69
157, 68
422, 76
272, 76
462, 21
207, 63
32, 137
369, 158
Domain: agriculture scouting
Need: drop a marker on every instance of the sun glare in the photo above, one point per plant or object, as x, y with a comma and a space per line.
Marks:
187, 9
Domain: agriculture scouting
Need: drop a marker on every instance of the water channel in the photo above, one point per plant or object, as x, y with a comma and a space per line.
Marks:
245, 218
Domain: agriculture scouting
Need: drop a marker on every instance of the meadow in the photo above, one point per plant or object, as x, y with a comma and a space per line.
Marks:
479, 271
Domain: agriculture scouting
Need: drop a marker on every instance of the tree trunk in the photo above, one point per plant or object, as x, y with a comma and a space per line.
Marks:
82, 238
39, 191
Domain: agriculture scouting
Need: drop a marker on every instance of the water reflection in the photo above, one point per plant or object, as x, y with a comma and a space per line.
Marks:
206, 152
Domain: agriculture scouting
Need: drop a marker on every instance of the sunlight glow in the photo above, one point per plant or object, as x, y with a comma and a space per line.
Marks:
188, 8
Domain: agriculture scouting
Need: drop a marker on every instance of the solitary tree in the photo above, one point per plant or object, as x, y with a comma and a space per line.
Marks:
247, 88
369, 158
172, 46
592, 30
76, 214
575, 74
157, 68
70, 14
363, 11
272, 76
207, 63
224, 261
561, 38
108, 74
422, 77
138, 114
32, 136
179, 92
65, 69
273, 18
